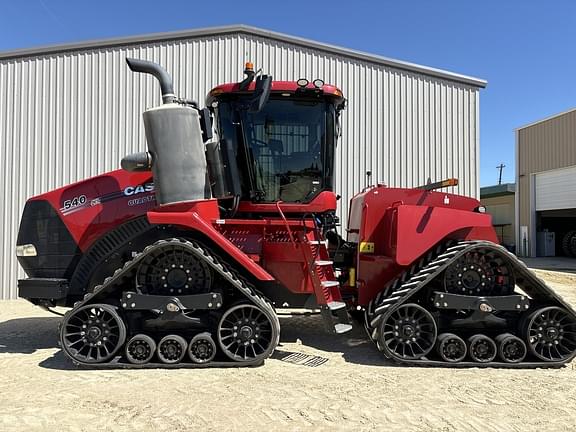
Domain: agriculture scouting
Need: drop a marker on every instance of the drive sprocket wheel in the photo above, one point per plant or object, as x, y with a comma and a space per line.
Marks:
551, 334
245, 333
173, 270
482, 273
407, 333
93, 333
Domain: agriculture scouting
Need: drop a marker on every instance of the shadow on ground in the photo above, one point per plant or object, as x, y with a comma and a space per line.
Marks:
26, 335
59, 361
355, 345
559, 264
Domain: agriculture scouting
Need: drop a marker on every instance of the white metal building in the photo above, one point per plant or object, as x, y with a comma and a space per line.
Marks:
68, 112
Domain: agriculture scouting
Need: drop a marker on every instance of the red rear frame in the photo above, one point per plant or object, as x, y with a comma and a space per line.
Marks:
394, 227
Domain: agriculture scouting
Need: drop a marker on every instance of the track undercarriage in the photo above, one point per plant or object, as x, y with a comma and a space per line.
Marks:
173, 305
176, 304
472, 304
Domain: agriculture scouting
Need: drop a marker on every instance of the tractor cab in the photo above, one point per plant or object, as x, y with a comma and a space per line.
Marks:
275, 141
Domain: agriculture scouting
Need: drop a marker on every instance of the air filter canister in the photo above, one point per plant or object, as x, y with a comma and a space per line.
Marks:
179, 162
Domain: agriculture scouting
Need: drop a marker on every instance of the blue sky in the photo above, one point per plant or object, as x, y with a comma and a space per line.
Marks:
526, 49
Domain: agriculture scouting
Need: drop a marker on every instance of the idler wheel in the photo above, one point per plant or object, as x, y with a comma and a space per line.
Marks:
511, 349
407, 333
246, 334
482, 349
171, 349
93, 333
202, 348
551, 334
140, 349
451, 348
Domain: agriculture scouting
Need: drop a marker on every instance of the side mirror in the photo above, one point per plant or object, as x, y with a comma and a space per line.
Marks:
205, 124
262, 89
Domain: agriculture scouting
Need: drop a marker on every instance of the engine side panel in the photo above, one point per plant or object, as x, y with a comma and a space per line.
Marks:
418, 229
64, 224
92, 207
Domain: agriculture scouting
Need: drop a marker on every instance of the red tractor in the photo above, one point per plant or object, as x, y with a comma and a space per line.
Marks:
182, 257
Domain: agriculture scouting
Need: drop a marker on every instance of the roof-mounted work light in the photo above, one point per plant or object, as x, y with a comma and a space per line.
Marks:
302, 82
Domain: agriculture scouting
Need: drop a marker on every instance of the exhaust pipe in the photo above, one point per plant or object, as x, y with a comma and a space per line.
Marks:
165, 80
176, 152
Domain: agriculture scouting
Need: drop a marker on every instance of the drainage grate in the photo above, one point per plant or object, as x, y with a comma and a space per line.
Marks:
300, 358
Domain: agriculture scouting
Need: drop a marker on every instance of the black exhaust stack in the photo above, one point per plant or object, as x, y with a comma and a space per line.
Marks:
163, 77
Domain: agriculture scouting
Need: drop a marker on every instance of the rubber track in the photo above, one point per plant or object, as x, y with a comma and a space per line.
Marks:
127, 271
400, 290
104, 247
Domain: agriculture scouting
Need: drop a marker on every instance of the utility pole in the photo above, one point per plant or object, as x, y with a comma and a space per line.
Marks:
500, 167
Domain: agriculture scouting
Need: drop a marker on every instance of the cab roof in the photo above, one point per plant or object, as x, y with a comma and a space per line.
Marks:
277, 87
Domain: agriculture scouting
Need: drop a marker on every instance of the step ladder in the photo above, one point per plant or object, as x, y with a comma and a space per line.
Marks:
326, 287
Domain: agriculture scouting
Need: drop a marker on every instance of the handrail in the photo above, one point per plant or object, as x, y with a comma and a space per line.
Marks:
286, 222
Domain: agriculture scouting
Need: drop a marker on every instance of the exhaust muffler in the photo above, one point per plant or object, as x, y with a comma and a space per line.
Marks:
176, 151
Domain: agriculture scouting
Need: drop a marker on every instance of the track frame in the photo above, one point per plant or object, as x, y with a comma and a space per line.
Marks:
403, 290
113, 286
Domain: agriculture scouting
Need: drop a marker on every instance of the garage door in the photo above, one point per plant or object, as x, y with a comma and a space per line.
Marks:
556, 189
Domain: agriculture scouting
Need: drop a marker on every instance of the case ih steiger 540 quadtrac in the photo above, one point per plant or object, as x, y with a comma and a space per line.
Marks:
181, 257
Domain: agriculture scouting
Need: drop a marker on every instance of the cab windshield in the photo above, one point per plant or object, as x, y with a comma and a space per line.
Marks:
284, 151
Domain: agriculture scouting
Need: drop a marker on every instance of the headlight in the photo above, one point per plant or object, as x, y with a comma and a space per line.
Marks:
480, 209
26, 250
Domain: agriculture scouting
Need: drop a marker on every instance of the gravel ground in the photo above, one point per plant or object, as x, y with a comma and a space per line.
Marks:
353, 390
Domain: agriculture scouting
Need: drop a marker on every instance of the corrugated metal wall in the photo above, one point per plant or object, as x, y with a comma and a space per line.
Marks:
547, 145
68, 116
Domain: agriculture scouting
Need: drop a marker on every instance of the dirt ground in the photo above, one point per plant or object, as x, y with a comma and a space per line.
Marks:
353, 390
